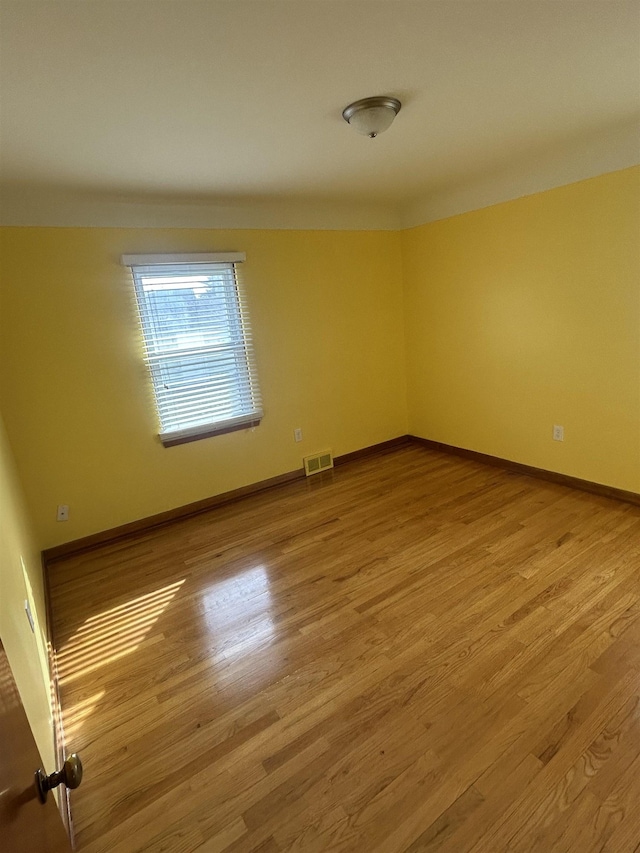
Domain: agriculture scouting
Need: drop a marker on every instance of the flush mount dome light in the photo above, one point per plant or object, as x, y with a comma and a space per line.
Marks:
371, 116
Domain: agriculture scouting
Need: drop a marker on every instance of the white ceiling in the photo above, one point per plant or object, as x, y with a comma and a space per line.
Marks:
235, 102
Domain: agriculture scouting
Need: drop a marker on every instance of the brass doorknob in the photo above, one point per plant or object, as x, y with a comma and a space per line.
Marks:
70, 775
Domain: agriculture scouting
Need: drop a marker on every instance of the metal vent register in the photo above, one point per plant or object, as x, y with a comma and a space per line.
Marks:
318, 462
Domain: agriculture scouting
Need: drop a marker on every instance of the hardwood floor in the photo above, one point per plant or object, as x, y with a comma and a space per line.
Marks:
409, 653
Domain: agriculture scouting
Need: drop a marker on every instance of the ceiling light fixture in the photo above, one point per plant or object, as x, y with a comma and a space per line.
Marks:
371, 116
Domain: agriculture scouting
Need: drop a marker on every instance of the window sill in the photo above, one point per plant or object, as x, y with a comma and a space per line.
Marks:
170, 440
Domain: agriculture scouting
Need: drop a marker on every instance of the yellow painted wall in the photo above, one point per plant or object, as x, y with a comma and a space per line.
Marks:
21, 580
525, 315
328, 328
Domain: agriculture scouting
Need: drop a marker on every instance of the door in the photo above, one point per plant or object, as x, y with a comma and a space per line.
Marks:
25, 824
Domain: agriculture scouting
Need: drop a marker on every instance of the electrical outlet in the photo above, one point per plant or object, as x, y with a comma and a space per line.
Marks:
63, 512
558, 433
297, 434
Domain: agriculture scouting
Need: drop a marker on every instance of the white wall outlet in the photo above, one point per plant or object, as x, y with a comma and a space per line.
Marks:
558, 433
297, 434
63, 512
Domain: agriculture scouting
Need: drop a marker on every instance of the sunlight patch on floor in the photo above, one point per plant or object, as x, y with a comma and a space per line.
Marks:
113, 634
77, 714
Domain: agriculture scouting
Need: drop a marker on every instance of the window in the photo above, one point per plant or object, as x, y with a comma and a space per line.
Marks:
197, 343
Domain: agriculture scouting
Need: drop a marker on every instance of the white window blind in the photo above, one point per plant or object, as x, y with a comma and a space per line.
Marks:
197, 343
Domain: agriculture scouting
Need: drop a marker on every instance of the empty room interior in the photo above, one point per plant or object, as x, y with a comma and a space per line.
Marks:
320, 425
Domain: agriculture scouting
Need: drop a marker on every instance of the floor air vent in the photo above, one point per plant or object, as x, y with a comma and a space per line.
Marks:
318, 462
